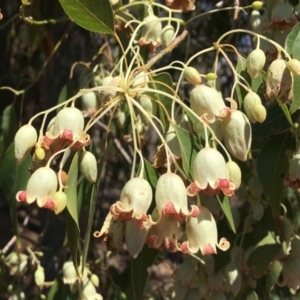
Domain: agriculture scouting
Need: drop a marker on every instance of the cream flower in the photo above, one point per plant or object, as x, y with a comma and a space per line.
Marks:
134, 202
41, 187
211, 174
202, 234
164, 233
208, 102
151, 32
68, 128
171, 198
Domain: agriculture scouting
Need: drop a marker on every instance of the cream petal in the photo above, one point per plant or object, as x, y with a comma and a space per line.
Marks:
41, 185
209, 166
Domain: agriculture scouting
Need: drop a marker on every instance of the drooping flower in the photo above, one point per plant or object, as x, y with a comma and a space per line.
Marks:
208, 102
134, 202
41, 188
67, 129
24, 141
292, 179
164, 233
237, 134
282, 17
171, 198
151, 32
202, 234
211, 174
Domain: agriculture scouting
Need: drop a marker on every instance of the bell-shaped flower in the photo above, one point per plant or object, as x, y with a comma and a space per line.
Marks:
135, 237
292, 179
282, 17
171, 198
89, 291
164, 233
68, 128
237, 134
202, 234
41, 187
24, 141
211, 174
134, 202
208, 102
151, 32
184, 5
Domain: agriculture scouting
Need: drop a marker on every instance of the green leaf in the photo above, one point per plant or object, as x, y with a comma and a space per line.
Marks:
63, 96
8, 127
71, 191
73, 236
272, 277
163, 82
139, 272
92, 15
189, 147
292, 42
227, 211
296, 95
292, 46
59, 291
272, 163
263, 244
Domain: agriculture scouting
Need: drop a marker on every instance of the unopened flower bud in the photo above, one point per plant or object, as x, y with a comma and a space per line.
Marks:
60, 199
167, 35
147, 105
235, 174
88, 166
211, 76
236, 130
39, 153
39, 276
255, 62
192, 75
121, 119
255, 111
25, 139
95, 280
279, 81
294, 66
257, 5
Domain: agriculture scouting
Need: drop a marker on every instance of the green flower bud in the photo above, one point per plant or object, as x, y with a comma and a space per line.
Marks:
192, 75
294, 66
257, 5
255, 62
39, 153
88, 166
60, 199
211, 76
39, 276
95, 280
235, 174
255, 111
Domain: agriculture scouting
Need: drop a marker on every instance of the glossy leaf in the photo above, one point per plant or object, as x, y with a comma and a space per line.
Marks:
272, 277
292, 42
189, 147
163, 82
71, 191
15, 179
8, 127
139, 272
292, 46
265, 244
225, 206
92, 15
272, 163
